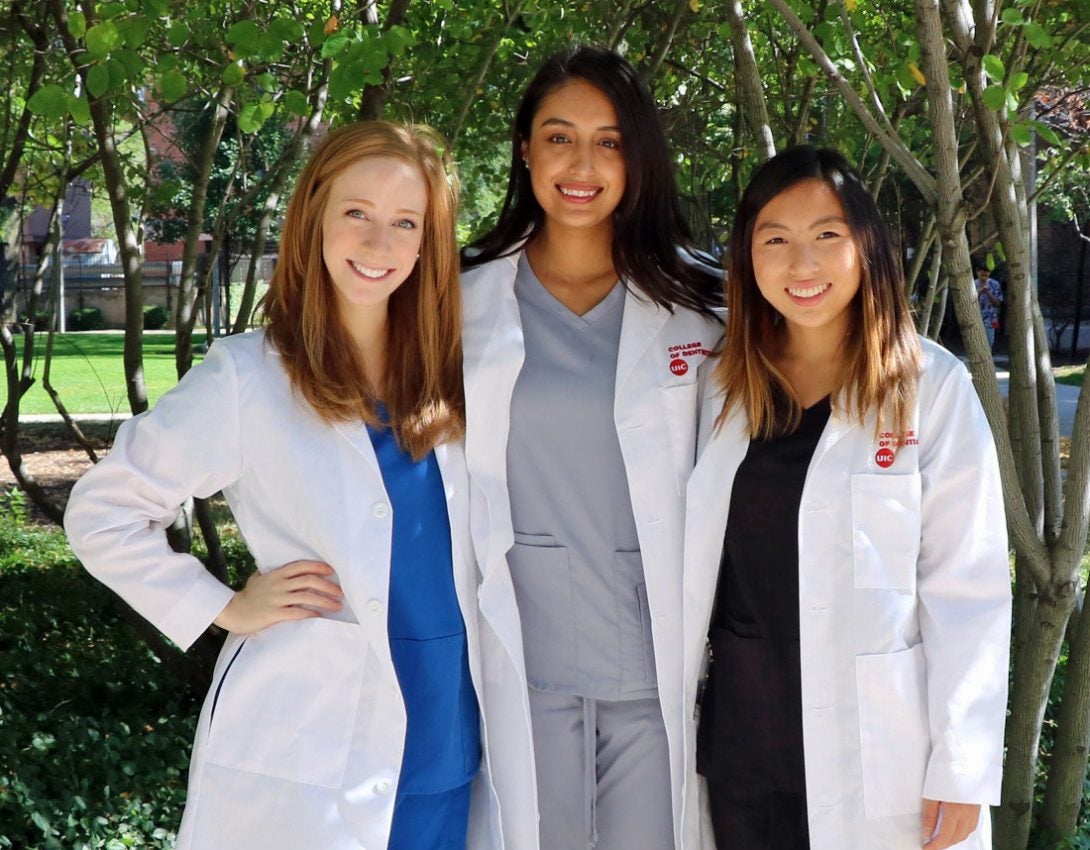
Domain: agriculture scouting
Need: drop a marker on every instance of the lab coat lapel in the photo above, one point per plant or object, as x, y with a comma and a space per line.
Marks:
640, 325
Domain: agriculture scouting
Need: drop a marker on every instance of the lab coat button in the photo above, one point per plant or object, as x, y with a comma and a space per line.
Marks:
374, 606
382, 786
380, 510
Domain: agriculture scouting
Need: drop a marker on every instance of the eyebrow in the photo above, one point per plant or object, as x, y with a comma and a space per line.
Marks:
364, 202
565, 123
829, 219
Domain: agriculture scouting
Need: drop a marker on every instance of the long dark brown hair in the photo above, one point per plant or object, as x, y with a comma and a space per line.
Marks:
423, 391
880, 356
652, 247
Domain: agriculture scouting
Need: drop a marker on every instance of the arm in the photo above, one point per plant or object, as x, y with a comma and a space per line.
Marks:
963, 588
118, 513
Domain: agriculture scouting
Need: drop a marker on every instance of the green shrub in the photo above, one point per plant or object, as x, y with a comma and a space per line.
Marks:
155, 317
95, 733
86, 319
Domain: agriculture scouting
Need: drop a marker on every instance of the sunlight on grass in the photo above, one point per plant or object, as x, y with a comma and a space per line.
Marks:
89, 373
1071, 375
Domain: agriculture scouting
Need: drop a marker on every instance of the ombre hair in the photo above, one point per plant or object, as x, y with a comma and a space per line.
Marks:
880, 356
423, 392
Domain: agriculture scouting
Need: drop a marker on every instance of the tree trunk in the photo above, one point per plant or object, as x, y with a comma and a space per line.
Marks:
374, 97
187, 282
1080, 281
747, 82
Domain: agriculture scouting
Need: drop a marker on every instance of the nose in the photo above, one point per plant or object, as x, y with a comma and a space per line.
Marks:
376, 238
582, 159
803, 260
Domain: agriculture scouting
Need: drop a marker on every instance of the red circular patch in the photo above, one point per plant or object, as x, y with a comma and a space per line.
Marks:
884, 458
679, 366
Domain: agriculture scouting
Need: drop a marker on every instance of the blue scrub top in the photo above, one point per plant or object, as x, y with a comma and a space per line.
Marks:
427, 634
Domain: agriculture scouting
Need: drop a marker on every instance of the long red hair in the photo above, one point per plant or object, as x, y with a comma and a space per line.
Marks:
423, 391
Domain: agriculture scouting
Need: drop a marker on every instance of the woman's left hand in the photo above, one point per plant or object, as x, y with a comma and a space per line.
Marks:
958, 820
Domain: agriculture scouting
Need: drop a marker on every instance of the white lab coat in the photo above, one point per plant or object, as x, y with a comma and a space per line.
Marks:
655, 413
300, 740
904, 614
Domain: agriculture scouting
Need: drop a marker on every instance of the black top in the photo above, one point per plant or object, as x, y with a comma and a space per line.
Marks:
750, 735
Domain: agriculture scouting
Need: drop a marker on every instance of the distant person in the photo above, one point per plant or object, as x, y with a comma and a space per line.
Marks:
845, 549
343, 710
990, 296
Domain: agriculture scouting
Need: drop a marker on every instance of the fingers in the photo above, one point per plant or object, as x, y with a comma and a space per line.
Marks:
929, 819
298, 568
956, 823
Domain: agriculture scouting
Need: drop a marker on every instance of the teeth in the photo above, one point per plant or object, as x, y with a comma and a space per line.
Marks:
809, 293
369, 272
578, 193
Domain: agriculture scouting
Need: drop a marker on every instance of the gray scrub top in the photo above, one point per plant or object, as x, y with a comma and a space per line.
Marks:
576, 564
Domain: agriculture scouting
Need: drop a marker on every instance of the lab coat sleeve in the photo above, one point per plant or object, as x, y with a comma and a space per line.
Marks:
119, 511
964, 592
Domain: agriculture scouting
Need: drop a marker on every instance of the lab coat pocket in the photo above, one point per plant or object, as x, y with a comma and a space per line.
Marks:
886, 531
542, 579
633, 621
286, 704
893, 730
679, 406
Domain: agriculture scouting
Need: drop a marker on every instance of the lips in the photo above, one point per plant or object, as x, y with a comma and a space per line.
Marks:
808, 293
578, 193
369, 272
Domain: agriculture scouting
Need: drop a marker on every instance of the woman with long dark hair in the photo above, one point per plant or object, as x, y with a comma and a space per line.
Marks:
587, 312
846, 553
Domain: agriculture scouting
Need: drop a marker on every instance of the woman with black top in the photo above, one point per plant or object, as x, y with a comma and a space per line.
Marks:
845, 542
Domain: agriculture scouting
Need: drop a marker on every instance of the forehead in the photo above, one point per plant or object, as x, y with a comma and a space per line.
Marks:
802, 204
379, 178
577, 102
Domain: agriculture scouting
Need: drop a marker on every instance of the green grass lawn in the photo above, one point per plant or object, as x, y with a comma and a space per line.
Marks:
89, 374
1072, 375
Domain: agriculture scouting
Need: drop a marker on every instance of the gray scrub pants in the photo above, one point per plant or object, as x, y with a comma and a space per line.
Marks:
603, 773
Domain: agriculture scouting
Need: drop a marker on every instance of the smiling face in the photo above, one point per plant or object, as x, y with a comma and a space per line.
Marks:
805, 261
574, 154
372, 225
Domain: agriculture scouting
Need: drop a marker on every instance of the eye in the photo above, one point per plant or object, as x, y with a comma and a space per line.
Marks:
354, 213
775, 240
611, 144
557, 139
829, 234
405, 224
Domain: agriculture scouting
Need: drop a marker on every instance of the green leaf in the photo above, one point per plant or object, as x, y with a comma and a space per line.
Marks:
334, 45
1019, 80
317, 33
1012, 102
166, 62
1047, 133
245, 37
102, 39
270, 47
173, 85
50, 101
1021, 133
397, 39
134, 30
999, 250
1038, 37
77, 24
178, 34
994, 68
107, 11
250, 118
266, 82
234, 74
288, 30
131, 62
157, 8
995, 97
296, 103
119, 74
1013, 16
80, 110
98, 80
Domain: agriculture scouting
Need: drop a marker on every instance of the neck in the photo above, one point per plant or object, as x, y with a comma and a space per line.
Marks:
810, 359
576, 266
368, 330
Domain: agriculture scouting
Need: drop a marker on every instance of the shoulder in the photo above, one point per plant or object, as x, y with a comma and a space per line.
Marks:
246, 351
937, 364
492, 273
